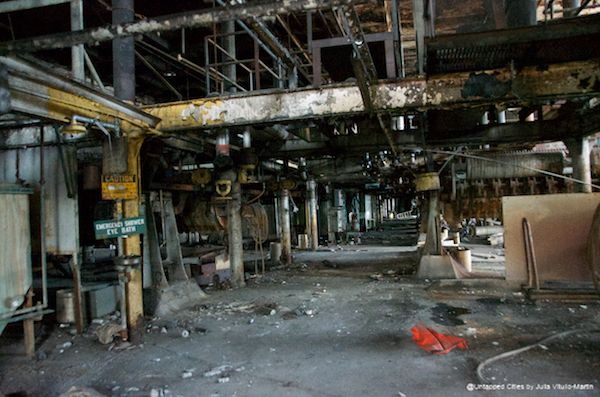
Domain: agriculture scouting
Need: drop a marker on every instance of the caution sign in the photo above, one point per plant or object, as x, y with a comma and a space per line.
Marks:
119, 187
119, 228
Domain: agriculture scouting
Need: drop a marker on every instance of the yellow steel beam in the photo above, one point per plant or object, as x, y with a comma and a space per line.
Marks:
45, 94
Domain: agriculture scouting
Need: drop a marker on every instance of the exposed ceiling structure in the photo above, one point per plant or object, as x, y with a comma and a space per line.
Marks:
167, 140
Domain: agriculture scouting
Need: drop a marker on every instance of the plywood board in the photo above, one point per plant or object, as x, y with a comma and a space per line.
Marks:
560, 225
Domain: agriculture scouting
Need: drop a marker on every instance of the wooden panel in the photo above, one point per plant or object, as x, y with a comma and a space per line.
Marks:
560, 225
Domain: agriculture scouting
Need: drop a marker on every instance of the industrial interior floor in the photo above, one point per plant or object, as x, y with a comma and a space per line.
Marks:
337, 323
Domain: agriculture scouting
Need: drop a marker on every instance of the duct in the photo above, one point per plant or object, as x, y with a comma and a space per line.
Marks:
189, 19
478, 169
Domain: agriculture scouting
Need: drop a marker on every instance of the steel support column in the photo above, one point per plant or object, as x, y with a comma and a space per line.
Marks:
234, 233
432, 241
77, 51
579, 150
312, 224
132, 247
284, 221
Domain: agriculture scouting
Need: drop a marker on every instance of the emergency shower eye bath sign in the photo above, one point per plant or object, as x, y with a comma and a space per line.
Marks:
112, 228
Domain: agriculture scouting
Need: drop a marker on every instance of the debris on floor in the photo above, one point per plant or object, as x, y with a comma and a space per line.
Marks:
75, 391
434, 342
107, 332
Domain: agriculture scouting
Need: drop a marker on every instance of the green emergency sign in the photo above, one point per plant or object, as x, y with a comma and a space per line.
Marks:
119, 228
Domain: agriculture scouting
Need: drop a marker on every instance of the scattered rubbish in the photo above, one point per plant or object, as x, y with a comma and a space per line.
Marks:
329, 264
107, 332
571, 310
65, 345
163, 330
496, 343
224, 379
132, 389
434, 342
186, 374
157, 359
251, 321
583, 307
448, 315
471, 331
185, 333
267, 309
512, 353
217, 371
99, 321
75, 391
376, 276
123, 346
160, 393
289, 315
390, 272
544, 347
309, 312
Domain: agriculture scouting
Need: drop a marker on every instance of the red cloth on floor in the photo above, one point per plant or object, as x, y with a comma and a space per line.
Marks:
434, 342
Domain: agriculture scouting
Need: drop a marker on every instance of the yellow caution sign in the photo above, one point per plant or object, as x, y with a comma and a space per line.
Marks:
119, 187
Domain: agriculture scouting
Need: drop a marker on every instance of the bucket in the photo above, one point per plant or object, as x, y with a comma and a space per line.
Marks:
65, 306
275, 249
463, 256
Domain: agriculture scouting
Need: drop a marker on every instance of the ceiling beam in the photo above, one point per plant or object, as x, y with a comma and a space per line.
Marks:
188, 19
523, 87
41, 93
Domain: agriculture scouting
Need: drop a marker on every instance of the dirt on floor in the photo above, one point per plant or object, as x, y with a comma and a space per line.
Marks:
318, 329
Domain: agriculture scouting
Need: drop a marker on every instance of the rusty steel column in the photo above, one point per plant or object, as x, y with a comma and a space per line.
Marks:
123, 157
234, 232
579, 150
132, 247
228, 42
284, 221
77, 57
313, 225
123, 52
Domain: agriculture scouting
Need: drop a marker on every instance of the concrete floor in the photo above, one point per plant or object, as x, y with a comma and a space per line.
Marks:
326, 330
